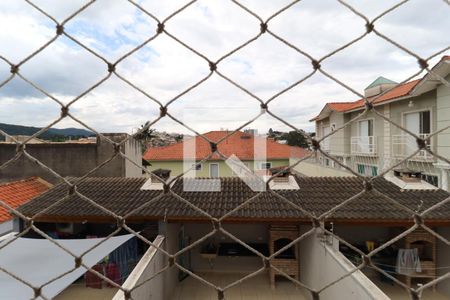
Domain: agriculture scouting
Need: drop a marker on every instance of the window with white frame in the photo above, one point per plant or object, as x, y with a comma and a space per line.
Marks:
365, 127
418, 122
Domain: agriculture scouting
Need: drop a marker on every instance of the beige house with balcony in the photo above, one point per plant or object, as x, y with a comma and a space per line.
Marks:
371, 144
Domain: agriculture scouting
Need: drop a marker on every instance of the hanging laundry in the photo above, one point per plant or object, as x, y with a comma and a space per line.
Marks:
408, 262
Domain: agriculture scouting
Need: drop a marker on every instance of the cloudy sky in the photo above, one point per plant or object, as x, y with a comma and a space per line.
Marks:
164, 68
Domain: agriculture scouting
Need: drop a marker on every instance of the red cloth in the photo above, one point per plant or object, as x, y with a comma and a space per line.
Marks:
112, 272
92, 280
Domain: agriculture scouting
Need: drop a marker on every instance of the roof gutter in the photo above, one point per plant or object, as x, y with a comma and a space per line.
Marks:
240, 220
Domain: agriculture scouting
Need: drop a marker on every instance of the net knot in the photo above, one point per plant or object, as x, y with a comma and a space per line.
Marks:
120, 222
315, 295
212, 66
71, 190
14, 69
127, 294
171, 261
315, 144
160, 28
116, 147
315, 64
421, 143
213, 147
263, 27
111, 67
418, 219
163, 111
422, 63
316, 223
367, 260
266, 263
368, 185
78, 261
64, 111
368, 105
166, 188
20, 148
59, 29
37, 292
369, 27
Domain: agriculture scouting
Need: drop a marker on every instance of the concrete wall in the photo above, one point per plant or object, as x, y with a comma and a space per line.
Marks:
224, 170
256, 233
171, 245
71, 159
152, 262
6, 227
312, 169
133, 151
321, 264
443, 261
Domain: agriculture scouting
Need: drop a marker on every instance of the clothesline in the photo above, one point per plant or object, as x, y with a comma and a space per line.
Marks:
393, 266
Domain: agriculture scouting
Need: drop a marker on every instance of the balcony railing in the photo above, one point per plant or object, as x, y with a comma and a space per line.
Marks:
404, 145
364, 145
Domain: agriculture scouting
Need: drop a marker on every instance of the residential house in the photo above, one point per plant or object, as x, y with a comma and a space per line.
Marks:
370, 144
257, 153
72, 158
267, 223
14, 194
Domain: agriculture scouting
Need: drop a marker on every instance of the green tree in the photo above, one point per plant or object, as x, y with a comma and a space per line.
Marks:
145, 135
294, 138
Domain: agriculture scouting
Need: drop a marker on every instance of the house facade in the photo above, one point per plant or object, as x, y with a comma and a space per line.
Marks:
371, 144
257, 153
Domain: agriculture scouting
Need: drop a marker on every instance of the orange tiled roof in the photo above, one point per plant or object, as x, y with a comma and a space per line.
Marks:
397, 92
20, 192
240, 144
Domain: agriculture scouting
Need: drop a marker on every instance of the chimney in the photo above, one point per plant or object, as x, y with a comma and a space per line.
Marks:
377, 87
281, 174
161, 173
408, 175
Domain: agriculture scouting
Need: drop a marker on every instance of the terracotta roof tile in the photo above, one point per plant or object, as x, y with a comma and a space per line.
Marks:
240, 144
315, 195
397, 92
17, 193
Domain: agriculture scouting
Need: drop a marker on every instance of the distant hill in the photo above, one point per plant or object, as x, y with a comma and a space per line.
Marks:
51, 134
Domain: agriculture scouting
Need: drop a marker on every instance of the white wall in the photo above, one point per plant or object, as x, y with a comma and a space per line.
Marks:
152, 262
315, 169
443, 260
171, 245
321, 265
134, 152
6, 227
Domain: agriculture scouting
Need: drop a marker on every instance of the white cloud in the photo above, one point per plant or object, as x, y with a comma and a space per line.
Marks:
164, 68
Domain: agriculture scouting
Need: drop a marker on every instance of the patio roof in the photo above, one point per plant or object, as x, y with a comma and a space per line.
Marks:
37, 261
316, 195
